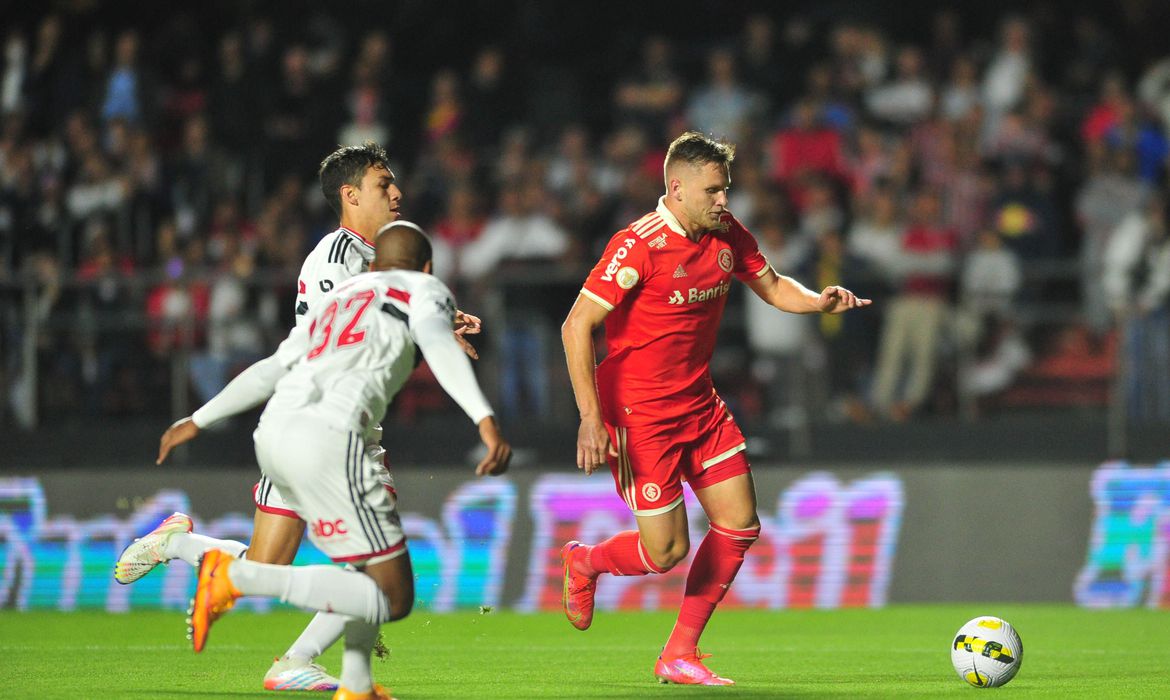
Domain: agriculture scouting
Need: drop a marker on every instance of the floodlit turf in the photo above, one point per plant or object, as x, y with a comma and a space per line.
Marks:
900, 651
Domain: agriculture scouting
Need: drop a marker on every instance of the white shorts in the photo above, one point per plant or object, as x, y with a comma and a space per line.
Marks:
268, 498
327, 477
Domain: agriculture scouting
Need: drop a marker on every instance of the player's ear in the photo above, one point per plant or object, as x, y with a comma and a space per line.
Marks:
349, 193
428, 267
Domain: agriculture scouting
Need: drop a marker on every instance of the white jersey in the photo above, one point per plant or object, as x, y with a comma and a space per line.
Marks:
358, 348
338, 256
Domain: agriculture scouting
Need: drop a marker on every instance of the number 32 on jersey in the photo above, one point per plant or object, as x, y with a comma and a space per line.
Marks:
351, 311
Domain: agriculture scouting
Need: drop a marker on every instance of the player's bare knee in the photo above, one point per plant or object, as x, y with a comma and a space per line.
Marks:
669, 554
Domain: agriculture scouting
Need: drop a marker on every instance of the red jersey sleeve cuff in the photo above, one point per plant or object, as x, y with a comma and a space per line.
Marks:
596, 299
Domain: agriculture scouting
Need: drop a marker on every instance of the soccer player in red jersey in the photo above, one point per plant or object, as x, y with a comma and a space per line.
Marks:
650, 410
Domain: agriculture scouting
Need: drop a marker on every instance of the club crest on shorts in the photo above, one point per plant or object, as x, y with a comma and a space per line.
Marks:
651, 492
726, 260
627, 277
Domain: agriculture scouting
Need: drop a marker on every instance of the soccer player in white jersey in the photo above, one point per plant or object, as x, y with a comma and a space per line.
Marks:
333, 379
360, 187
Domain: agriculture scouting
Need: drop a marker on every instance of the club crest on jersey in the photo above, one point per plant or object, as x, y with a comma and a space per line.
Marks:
651, 492
659, 242
616, 261
627, 277
696, 295
726, 261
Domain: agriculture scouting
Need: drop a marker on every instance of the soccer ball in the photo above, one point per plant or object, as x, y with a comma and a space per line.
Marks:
987, 652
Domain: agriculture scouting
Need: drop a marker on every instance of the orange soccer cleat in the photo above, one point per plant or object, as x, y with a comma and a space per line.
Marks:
577, 595
376, 693
214, 595
688, 670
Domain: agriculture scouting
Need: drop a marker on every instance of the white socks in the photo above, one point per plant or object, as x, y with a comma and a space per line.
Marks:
324, 629
360, 637
189, 546
324, 588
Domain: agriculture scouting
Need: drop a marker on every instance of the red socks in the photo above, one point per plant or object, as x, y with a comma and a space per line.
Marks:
620, 555
714, 567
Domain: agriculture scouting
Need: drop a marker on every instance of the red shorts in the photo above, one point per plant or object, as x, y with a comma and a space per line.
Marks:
653, 460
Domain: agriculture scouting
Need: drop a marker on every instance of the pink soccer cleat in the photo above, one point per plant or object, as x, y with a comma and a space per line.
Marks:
577, 595
688, 670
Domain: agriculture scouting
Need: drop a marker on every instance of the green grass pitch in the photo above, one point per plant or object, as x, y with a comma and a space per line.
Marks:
895, 652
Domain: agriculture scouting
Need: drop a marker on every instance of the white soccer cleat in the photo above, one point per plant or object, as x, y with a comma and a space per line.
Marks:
148, 551
294, 674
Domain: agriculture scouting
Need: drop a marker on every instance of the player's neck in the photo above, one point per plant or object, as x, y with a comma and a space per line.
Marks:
358, 228
690, 230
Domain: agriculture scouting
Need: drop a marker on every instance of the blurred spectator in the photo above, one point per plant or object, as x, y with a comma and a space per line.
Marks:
1137, 285
818, 209
42, 273
1154, 90
805, 146
234, 340
993, 348
843, 345
761, 65
293, 118
1008, 72
1106, 113
517, 240
722, 105
960, 94
490, 99
126, 88
201, 174
915, 318
445, 113
15, 68
233, 123
875, 240
105, 348
908, 97
1135, 132
1024, 215
460, 225
652, 92
779, 341
176, 309
946, 44
1110, 192
367, 107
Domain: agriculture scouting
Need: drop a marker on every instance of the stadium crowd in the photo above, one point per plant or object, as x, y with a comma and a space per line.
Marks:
999, 193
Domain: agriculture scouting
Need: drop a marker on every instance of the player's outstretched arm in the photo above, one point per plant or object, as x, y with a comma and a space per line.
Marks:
789, 295
593, 443
181, 431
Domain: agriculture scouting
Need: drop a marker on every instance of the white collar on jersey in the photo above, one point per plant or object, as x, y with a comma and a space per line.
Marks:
358, 236
670, 219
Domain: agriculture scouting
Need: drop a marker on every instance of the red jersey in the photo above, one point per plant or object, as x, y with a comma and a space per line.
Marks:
665, 294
